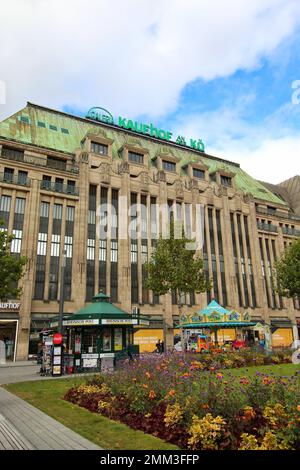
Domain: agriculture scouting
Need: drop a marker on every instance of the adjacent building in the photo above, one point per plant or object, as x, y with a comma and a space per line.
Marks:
65, 179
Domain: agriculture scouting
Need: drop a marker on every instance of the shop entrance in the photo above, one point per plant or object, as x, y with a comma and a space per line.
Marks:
8, 334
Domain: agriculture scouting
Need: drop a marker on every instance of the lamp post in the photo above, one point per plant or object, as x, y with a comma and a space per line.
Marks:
62, 293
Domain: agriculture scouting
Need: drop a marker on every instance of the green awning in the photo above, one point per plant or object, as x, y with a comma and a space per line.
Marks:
102, 312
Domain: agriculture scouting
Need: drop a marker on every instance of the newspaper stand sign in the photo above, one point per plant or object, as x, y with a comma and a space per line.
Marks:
57, 354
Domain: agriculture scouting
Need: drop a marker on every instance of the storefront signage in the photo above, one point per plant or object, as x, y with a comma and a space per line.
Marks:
89, 363
9, 306
81, 322
107, 355
89, 356
119, 321
102, 115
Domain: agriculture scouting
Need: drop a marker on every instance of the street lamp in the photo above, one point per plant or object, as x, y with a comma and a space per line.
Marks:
62, 292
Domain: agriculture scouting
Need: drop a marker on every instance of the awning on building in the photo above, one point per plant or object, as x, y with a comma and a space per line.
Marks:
280, 323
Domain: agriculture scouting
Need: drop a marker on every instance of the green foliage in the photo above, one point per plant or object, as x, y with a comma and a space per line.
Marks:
288, 271
173, 267
11, 268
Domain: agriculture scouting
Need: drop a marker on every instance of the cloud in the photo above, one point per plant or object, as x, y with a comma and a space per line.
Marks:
268, 149
132, 57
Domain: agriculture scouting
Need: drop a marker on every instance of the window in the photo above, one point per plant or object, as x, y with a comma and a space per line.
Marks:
71, 187
136, 157
169, 166
57, 211
20, 205
226, 181
68, 246
12, 154
102, 250
44, 209
114, 252
5, 203
70, 213
25, 119
55, 245
100, 149
16, 242
46, 182
8, 175
42, 244
64, 131
59, 183
90, 249
56, 163
53, 128
200, 174
22, 177
41, 124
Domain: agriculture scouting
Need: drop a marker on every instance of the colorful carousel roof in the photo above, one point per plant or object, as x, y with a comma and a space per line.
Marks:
214, 315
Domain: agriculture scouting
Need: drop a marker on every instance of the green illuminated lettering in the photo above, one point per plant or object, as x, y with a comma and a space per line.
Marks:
145, 129
130, 125
169, 135
153, 130
162, 134
122, 122
193, 144
138, 127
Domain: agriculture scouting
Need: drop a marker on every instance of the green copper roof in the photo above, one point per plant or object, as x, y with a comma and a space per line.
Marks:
55, 130
100, 308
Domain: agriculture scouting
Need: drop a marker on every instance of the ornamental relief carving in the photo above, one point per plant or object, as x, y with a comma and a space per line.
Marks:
84, 158
144, 178
161, 176
123, 168
179, 188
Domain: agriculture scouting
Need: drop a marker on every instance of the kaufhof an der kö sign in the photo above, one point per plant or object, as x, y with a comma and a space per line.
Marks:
102, 115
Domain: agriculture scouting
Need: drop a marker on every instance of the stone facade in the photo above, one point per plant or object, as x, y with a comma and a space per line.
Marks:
244, 232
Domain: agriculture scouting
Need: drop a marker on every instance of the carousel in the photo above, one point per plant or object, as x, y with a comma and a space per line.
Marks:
201, 329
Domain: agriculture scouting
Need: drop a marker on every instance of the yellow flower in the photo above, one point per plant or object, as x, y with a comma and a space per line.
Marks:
171, 392
173, 415
298, 408
206, 432
147, 374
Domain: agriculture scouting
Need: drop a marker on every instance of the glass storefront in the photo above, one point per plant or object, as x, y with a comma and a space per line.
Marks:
8, 334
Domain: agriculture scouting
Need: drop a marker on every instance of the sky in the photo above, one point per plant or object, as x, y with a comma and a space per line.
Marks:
227, 72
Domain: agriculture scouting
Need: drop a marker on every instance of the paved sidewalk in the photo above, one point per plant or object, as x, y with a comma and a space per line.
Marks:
22, 426
14, 372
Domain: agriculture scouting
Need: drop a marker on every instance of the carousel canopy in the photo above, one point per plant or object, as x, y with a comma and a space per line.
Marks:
214, 315
102, 312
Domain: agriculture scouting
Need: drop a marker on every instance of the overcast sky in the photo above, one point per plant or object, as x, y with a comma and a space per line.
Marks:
192, 67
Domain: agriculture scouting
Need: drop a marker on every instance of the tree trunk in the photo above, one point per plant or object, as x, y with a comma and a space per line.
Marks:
180, 322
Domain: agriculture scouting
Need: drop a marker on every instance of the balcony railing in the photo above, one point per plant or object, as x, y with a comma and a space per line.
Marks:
59, 188
267, 227
291, 231
277, 213
19, 156
15, 179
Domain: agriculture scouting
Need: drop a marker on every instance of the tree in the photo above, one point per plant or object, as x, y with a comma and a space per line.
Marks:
174, 268
11, 268
287, 271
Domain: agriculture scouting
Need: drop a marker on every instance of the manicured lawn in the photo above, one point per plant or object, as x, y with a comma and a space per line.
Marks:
47, 396
279, 370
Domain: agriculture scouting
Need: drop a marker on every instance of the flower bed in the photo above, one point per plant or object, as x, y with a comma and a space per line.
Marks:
178, 401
